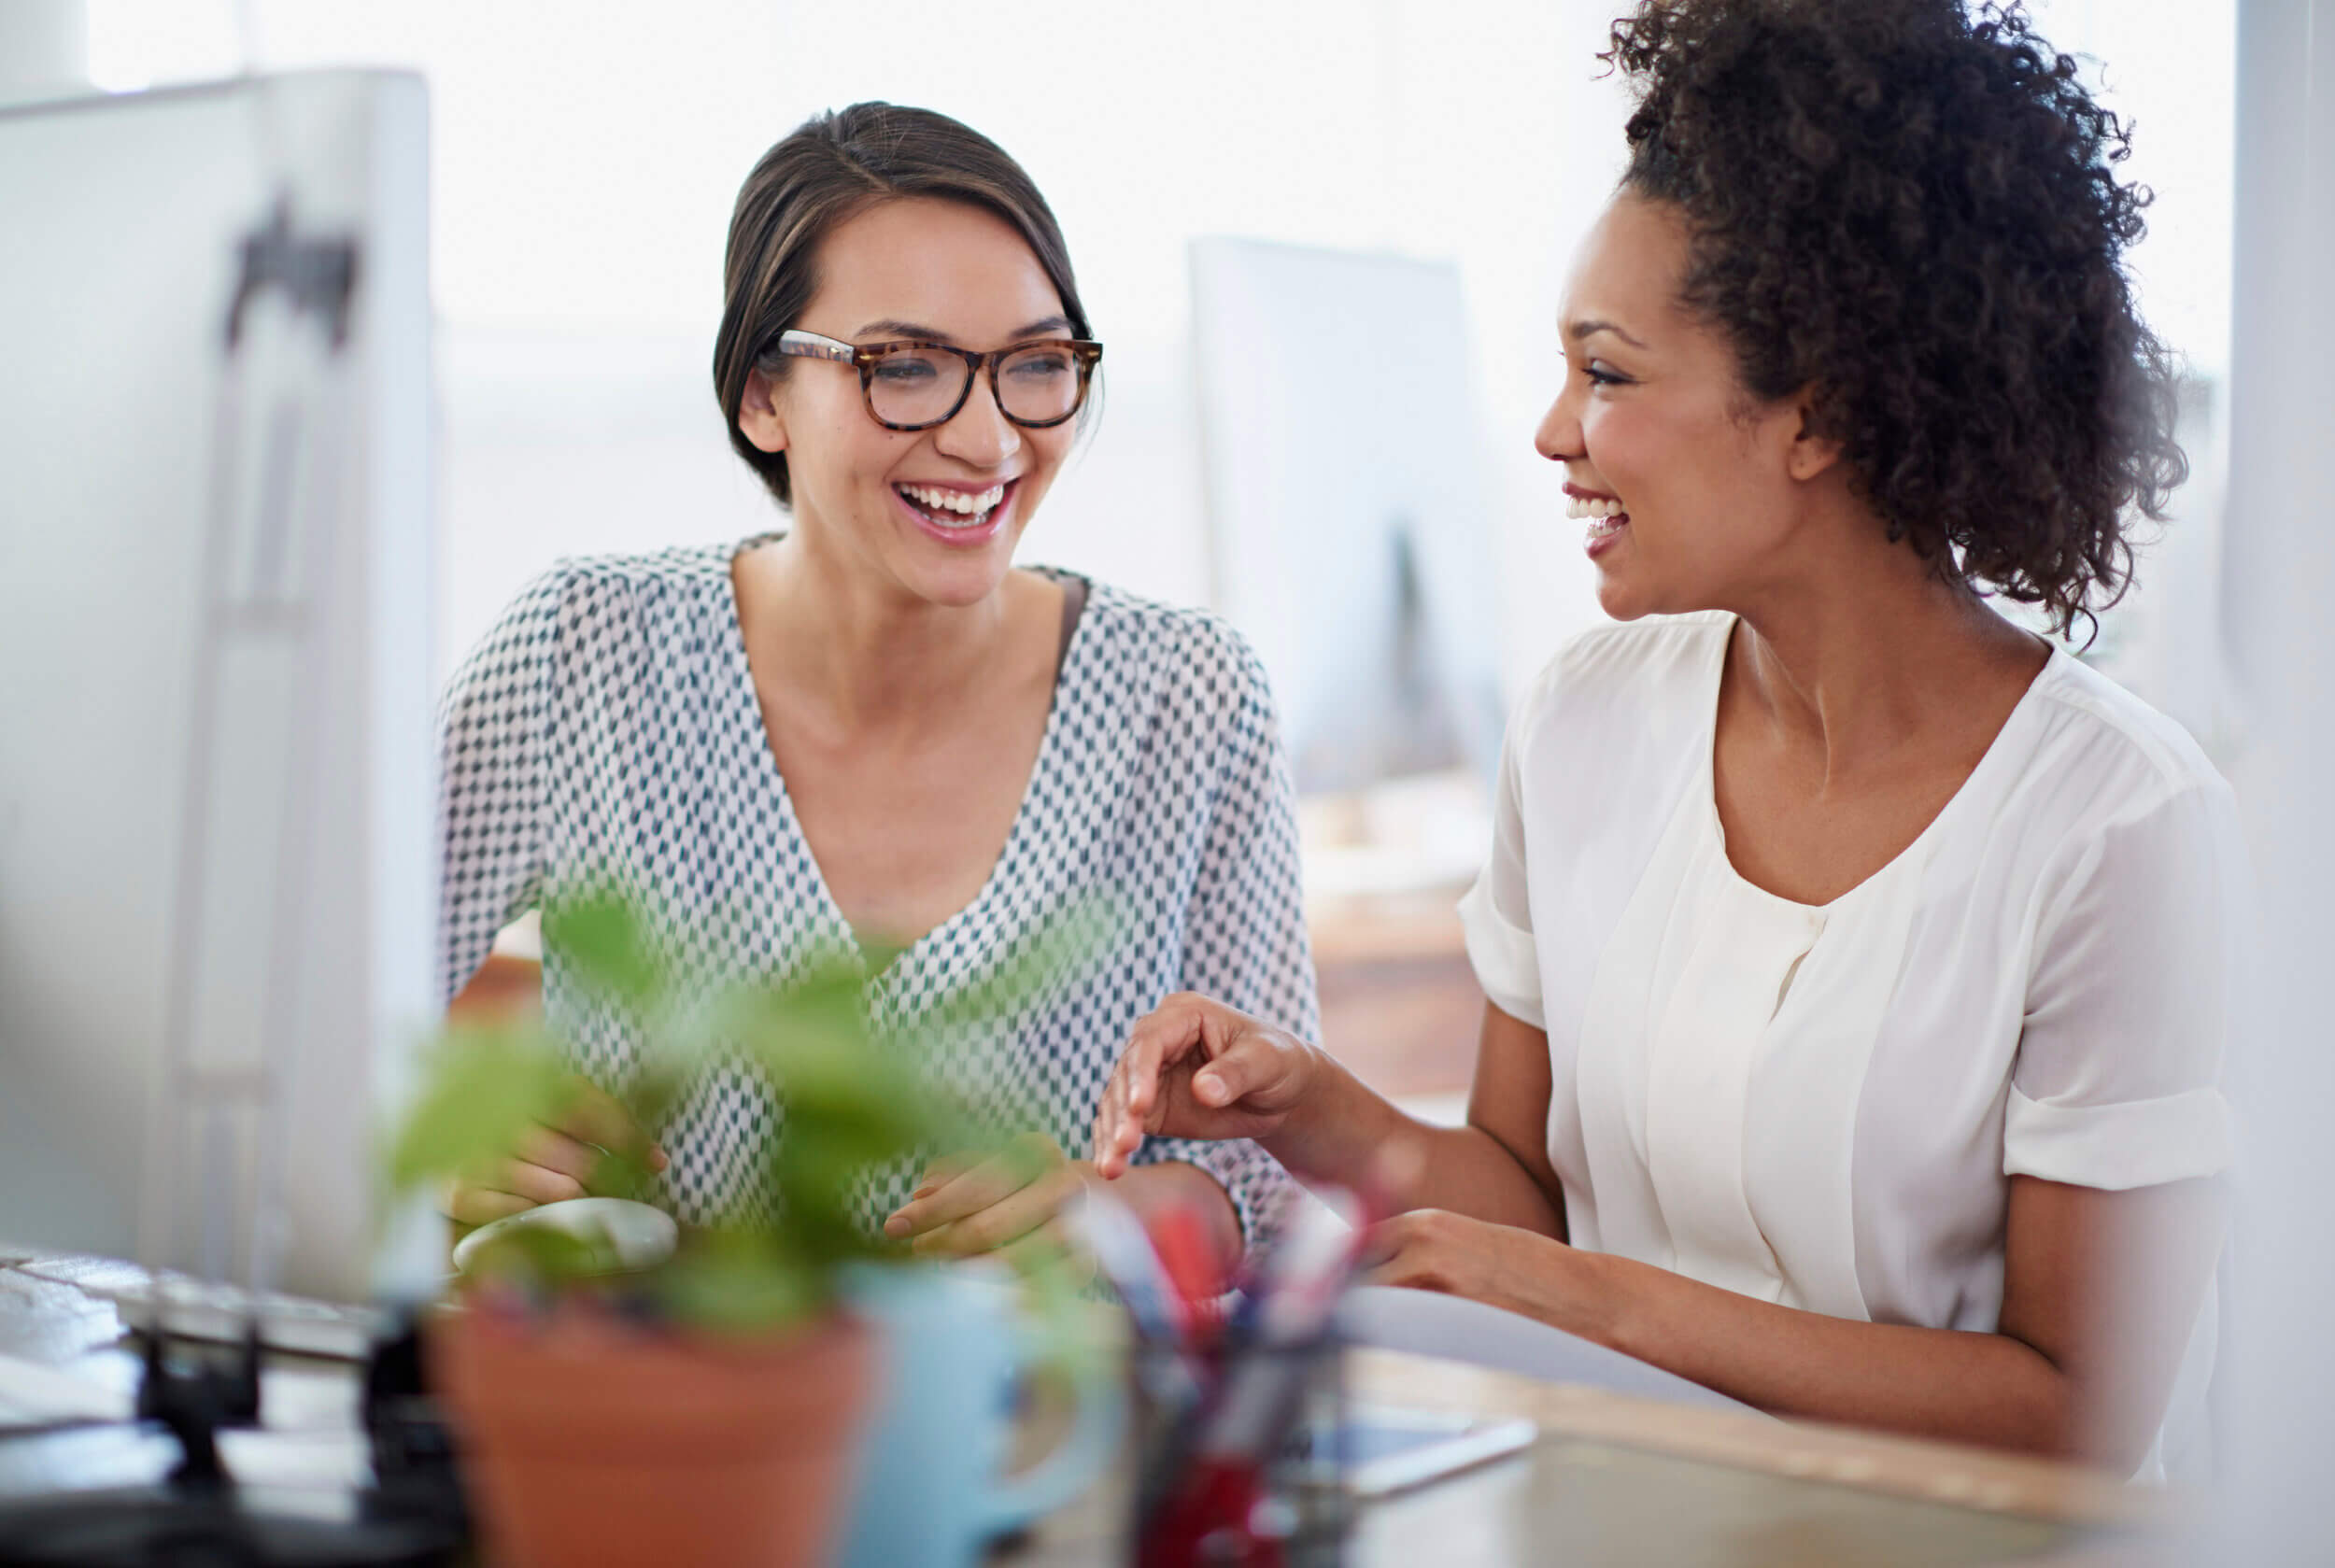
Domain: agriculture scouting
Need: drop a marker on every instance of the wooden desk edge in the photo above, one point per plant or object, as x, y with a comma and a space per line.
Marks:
1933, 1471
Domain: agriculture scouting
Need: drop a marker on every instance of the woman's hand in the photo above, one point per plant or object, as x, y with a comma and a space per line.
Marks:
1008, 1202
1519, 1270
553, 1163
1195, 1068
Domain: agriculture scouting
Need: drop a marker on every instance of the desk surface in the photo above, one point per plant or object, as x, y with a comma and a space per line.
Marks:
1612, 1479
1615, 1479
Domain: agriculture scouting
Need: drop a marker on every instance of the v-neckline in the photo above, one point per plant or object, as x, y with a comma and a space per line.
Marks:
1708, 789
897, 959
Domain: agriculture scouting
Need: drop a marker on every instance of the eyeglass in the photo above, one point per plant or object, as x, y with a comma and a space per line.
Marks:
916, 386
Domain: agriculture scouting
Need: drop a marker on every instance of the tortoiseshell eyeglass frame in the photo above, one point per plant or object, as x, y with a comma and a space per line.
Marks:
800, 344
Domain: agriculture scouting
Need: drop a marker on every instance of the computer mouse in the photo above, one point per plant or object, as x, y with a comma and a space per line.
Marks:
634, 1235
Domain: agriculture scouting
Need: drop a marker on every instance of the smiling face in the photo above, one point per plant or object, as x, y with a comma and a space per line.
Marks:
935, 512
1691, 493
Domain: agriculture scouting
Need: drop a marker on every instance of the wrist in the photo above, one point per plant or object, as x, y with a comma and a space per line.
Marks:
1328, 1131
1598, 1299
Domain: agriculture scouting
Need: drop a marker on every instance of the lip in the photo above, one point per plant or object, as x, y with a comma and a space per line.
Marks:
959, 487
961, 538
1597, 544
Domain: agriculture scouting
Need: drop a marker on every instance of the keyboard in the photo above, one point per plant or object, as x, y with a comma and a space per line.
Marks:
37, 1397
205, 1309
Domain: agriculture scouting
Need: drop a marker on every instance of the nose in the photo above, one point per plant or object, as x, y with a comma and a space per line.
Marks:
979, 434
1558, 436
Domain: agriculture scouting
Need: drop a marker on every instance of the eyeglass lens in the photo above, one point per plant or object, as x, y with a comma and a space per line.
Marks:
1037, 385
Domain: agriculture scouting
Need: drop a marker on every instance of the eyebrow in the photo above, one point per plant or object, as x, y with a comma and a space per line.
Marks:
889, 327
1577, 331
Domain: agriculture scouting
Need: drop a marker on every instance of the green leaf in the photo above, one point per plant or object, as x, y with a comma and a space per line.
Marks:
541, 1255
483, 1088
600, 933
1054, 950
619, 1172
736, 1282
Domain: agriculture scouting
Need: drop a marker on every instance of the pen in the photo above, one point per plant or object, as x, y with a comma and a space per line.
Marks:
1181, 1240
1210, 1510
1297, 1291
1171, 1377
1125, 1255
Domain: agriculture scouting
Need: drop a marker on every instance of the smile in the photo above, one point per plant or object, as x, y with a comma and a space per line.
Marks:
960, 517
952, 508
1606, 517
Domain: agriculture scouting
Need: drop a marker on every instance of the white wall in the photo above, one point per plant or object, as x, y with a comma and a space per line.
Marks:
44, 49
2281, 578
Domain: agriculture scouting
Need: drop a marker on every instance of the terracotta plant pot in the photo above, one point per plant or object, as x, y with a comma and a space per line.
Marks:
588, 1439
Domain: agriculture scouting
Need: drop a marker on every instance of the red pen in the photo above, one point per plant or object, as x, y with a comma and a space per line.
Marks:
1180, 1236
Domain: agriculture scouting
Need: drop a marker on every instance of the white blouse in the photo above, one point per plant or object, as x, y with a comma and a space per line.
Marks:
1823, 1106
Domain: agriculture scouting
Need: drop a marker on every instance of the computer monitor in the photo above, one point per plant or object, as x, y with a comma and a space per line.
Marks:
217, 844
1348, 530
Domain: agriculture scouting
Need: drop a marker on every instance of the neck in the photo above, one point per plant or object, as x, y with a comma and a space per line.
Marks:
865, 650
1861, 645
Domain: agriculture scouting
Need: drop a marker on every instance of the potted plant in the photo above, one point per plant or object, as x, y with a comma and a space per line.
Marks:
704, 1409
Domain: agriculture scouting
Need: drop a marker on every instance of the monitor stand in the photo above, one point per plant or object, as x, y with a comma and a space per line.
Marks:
199, 1518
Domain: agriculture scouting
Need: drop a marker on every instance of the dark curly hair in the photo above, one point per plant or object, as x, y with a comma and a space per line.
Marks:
1911, 210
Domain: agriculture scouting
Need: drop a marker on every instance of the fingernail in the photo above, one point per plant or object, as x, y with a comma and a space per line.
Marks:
895, 1225
924, 1192
657, 1157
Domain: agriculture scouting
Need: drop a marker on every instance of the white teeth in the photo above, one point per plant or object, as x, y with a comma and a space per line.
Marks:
1600, 507
973, 506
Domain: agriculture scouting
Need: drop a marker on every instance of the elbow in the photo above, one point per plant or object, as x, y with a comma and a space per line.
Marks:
2078, 1422
2117, 1449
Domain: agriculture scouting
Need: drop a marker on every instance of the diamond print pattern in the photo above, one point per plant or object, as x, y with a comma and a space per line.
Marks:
609, 721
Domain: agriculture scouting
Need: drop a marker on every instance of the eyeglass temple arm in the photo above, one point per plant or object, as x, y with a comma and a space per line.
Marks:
810, 346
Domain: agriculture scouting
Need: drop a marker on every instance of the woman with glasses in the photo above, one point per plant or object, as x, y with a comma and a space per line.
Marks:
871, 733
1858, 963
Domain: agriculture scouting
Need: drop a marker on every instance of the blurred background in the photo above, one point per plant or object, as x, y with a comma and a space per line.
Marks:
587, 154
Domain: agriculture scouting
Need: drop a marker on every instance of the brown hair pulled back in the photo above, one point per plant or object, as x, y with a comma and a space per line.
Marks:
1910, 208
831, 168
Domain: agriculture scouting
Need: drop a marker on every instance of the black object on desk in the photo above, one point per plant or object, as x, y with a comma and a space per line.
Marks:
413, 1516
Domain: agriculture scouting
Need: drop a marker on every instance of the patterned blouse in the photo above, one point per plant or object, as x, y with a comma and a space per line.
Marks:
609, 720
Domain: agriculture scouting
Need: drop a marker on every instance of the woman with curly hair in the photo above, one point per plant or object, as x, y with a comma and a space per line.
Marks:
1857, 962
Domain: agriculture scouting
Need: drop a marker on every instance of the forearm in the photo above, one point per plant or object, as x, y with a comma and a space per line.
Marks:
1344, 1130
1979, 1388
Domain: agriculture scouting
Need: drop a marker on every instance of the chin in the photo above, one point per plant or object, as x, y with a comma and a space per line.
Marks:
1623, 601
1630, 592
959, 582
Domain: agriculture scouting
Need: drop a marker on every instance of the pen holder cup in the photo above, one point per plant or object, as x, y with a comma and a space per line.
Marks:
1239, 1457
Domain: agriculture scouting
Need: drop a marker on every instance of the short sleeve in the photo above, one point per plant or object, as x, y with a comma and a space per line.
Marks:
1244, 927
493, 726
1495, 914
2117, 1081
